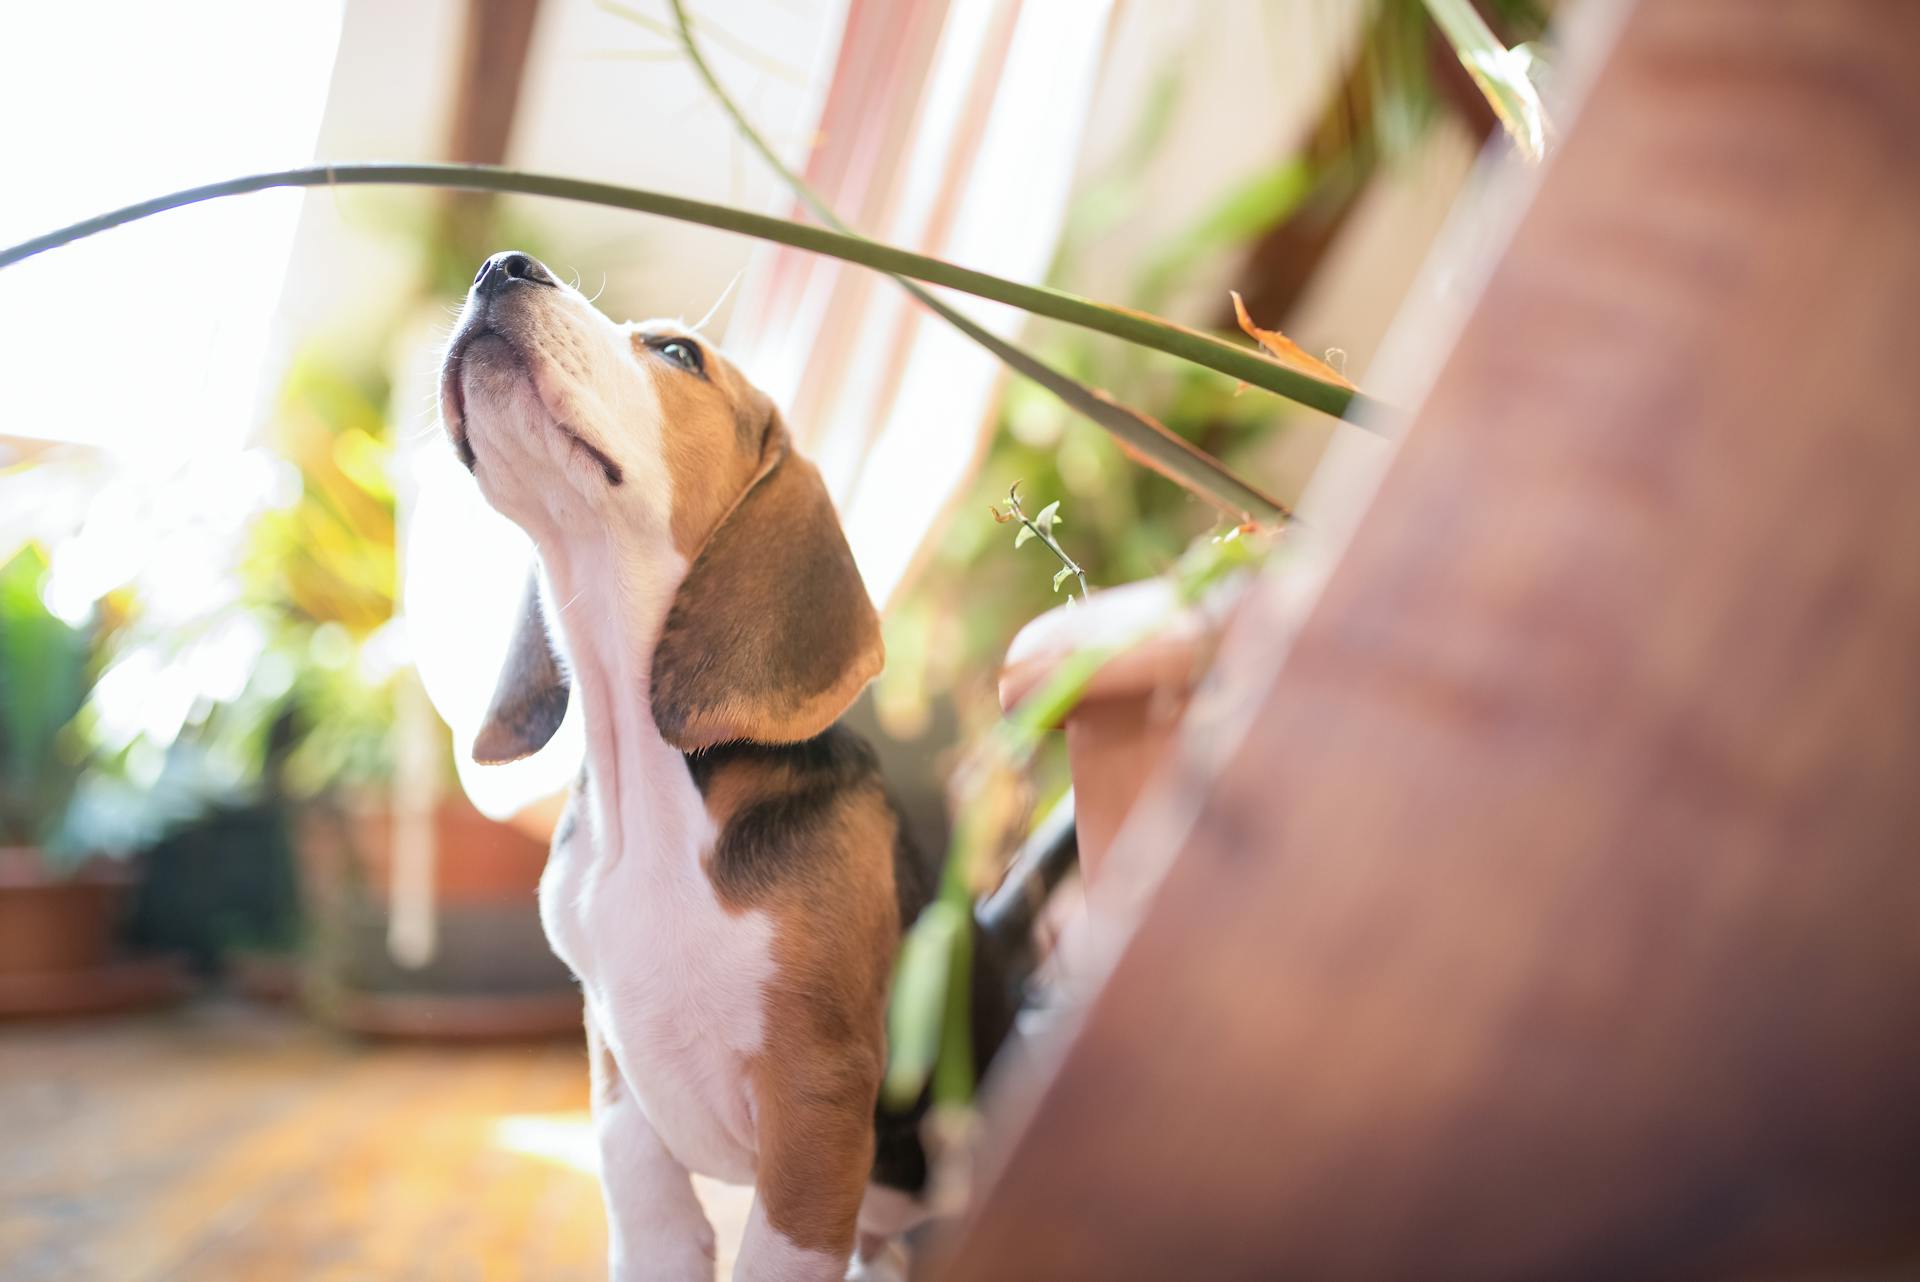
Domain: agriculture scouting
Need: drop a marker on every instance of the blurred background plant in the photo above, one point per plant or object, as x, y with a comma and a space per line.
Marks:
231, 655
44, 664
948, 630
1268, 233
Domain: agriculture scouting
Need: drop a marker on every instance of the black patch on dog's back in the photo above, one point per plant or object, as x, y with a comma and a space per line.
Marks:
784, 834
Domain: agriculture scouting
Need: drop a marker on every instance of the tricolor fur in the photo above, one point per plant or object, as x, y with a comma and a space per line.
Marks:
730, 880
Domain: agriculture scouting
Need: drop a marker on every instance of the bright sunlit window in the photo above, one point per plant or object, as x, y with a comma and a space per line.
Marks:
150, 341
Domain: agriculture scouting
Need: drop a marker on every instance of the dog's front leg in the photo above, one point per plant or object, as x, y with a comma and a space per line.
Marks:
814, 1126
656, 1231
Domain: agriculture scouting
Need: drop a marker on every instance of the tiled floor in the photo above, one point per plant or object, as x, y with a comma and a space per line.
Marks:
221, 1142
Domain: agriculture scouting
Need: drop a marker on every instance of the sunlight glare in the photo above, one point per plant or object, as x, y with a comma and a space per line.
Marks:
151, 340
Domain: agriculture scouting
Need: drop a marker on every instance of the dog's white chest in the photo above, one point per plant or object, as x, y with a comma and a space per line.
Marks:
673, 980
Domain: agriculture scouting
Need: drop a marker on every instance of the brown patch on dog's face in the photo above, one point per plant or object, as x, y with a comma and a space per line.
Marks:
714, 425
807, 837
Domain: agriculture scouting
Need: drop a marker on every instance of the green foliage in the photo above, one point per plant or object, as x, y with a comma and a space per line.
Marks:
1040, 526
299, 642
922, 983
1503, 75
927, 1027
322, 575
948, 629
58, 792
947, 632
329, 556
1242, 213
341, 716
43, 683
1230, 358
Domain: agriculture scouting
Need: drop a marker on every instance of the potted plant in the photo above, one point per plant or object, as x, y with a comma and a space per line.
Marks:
62, 816
302, 779
1115, 668
1153, 650
420, 913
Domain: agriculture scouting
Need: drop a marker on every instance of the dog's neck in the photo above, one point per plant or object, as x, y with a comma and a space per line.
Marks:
609, 603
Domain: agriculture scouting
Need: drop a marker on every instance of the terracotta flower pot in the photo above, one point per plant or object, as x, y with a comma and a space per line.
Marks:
490, 974
1124, 723
57, 941
50, 923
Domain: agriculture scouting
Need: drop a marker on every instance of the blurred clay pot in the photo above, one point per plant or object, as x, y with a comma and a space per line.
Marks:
57, 940
1124, 723
50, 923
490, 974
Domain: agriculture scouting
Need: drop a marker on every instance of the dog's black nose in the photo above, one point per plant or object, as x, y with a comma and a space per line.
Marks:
511, 265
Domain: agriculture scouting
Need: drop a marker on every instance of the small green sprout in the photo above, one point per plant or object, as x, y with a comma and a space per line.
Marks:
1040, 526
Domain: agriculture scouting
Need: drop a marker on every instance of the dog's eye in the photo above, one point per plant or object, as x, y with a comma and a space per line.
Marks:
682, 353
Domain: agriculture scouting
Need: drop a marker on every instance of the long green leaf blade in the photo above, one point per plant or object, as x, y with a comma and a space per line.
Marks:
1135, 327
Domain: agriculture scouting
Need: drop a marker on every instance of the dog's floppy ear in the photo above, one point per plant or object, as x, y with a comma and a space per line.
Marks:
772, 633
530, 697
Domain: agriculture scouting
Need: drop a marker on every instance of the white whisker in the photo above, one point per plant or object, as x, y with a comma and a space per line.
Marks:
701, 324
426, 418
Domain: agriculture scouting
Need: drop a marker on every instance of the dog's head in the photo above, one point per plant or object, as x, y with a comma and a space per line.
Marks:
641, 448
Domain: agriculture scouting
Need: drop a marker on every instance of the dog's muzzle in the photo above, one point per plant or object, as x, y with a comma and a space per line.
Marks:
497, 278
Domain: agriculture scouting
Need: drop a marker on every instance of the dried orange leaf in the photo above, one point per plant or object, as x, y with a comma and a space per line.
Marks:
1284, 349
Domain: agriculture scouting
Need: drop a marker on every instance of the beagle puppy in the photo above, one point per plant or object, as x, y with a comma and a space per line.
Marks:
730, 880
